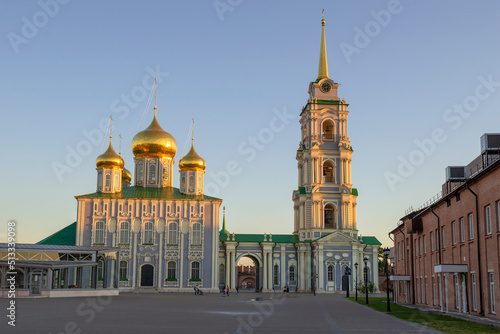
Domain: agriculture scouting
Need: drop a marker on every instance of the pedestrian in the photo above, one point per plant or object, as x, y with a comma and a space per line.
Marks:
227, 291
287, 290
196, 290
237, 290
223, 292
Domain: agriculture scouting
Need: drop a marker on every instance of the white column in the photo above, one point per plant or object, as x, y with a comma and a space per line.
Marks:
300, 269
283, 267
160, 259
375, 268
270, 271
321, 274
228, 267
233, 270
446, 291
264, 271
341, 170
181, 258
134, 261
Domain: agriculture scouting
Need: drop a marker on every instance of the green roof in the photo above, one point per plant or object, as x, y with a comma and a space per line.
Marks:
169, 193
65, 236
367, 240
280, 238
355, 191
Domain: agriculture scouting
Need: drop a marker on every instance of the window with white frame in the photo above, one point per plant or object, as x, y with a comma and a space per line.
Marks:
183, 181
276, 274
196, 234
191, 181
124, 233
462, 230
330, 273
487, 214
152, 173
99, 233
117, 180
123, 270
108, 180
474, 296
195, 270
171, 270
492, 292
100, 269
173, 233
291, 277
99, 180
148, 233
443, 233
140, 172
432, 240
454, 232
471, 226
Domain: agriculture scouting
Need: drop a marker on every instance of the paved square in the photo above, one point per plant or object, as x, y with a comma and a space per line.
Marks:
210, 313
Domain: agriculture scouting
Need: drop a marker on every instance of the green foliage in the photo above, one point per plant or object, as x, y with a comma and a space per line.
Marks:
362, 287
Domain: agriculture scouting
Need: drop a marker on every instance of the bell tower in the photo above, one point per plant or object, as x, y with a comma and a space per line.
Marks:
325, 201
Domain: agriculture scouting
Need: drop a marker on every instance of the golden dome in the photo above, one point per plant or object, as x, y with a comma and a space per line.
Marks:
154, 141
192, 161
126, 176
109, 159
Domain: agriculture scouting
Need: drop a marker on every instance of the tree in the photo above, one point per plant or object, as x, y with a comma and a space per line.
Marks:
381, 260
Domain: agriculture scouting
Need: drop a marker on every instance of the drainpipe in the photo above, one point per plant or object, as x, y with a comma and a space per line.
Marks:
438, 235
412, 269
481, 300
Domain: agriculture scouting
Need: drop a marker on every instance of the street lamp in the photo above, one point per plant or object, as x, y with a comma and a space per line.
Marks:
347, 273
365, 260
356, 271
386, 255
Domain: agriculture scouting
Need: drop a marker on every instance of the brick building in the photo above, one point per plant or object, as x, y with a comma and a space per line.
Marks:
447, 251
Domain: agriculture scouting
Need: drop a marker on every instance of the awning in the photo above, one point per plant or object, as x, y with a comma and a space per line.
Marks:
450, 268
399, 277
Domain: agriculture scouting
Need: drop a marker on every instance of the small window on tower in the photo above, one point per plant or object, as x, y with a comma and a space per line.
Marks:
330, 216
183, 182
108, 180
328, 130
152, 173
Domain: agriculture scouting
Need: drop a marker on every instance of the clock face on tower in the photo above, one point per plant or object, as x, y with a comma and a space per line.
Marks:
325, 87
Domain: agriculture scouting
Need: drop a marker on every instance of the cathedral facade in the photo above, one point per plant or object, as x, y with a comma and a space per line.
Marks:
170, 239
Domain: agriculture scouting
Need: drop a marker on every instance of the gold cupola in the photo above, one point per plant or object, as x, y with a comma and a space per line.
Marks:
154, 141
126, 176
192, 160
109, 159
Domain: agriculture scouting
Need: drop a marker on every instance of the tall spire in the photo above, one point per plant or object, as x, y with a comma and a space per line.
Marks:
323, 62
223, 230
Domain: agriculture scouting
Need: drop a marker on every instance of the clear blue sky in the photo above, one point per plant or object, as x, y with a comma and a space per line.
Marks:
232, 69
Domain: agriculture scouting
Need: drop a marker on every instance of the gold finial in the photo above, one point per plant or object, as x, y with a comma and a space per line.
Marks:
110, 126
155, 98
323, 62
120, 147
192, 134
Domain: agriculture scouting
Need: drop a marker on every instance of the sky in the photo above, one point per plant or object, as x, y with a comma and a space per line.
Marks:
422, 79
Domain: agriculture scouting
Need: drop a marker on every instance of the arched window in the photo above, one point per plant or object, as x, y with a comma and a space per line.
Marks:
172, 233
292, 274
330, 216
327, 130
99, 180
328, 172
195, 270
330, 273
191, 181
108, 180
171, 270
123, 269
196, 235
140, 172
183, 181
276, 274
117, 180
125, 233
152, 173
148, 233
99, 233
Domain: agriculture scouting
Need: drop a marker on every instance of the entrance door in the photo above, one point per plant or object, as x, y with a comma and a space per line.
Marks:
36, 284
147, 275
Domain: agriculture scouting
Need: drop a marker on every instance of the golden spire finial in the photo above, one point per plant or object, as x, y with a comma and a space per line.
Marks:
120, 147
110, 126
192, 134
155, 98
323, 62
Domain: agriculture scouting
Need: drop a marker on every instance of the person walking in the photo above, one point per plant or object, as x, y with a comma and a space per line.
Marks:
196, 290
227, 291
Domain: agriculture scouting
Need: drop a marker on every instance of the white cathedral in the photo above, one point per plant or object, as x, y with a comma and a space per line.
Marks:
169, 239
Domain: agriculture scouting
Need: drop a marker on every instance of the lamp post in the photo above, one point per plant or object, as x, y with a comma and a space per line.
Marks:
356, 272
365, 260
347, 273
386, 255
